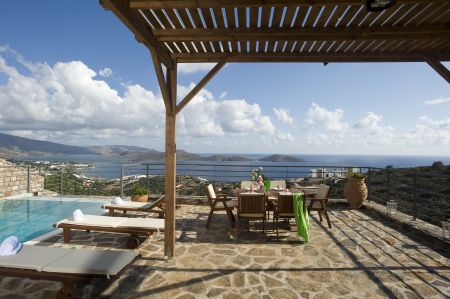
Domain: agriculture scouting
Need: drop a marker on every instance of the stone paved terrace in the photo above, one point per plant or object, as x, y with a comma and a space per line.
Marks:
363, 256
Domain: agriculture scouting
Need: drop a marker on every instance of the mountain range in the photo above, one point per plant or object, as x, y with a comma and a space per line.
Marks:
13, 146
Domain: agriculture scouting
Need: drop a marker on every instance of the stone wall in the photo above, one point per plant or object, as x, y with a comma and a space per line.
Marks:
14, 179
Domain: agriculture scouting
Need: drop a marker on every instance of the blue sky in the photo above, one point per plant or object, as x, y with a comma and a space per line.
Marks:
71, 72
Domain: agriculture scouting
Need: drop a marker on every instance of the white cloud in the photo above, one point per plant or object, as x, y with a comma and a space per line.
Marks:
436, 101
205, 116
284, 136
66, 102
106, 72
283, 116
321, 117
223, 94
428, 131
368, 130
191, 68
66, 98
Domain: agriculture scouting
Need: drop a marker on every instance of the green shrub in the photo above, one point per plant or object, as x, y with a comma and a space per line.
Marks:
137, 189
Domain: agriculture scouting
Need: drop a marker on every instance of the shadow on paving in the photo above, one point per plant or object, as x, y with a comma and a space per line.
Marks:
220, 231
402, 230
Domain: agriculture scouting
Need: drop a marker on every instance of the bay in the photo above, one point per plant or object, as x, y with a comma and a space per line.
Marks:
108, 167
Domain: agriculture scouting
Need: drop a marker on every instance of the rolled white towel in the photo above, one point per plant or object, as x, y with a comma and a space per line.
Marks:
117, 201
10, 246
78, 215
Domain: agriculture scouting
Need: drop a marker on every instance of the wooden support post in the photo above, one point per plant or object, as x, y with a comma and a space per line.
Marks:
171, 165
168, 86
438, 67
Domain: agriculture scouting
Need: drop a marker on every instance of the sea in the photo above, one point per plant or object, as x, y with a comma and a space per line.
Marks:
108, 167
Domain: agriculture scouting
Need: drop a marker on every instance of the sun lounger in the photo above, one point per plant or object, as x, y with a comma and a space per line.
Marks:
153, 206
66, 265
132, 226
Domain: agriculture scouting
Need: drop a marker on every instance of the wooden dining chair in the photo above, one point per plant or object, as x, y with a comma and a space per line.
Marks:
219, 202
319, 201
251, 206
283, 209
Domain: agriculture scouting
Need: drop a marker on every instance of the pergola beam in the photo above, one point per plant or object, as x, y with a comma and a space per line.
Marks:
163, 83
306, 57
143, 34
438, 67
316, 34
200, 85
155, 4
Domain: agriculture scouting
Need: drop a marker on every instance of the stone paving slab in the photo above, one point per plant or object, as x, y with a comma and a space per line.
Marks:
362, 256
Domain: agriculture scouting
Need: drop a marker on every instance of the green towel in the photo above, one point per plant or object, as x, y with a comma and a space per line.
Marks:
301, 217
266, 186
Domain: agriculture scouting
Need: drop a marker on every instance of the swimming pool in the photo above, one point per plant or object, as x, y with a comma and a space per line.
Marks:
30, 217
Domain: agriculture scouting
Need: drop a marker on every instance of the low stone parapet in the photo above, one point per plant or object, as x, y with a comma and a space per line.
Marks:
14, 180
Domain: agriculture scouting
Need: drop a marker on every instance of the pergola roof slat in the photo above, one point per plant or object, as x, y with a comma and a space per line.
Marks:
242, 17
349, 15
231, 21
337, 14
361, 16
173, 18
444, 18
184, 18
194, 12
436, 12
313, 15
276, 17
326, 13
265, 16
291, 12
418, 13
162, 18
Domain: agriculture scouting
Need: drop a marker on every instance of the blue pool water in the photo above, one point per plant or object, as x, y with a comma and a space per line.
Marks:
31, 217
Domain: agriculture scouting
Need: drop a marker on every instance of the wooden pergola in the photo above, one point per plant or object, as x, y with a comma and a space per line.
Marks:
326, 31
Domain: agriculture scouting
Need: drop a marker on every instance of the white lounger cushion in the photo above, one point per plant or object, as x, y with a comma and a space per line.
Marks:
68, 260
33, 257
116, 222
95, 220
157, 224
129, 204
100, 262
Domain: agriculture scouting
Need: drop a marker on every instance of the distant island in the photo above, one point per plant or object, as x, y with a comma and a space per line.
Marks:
14, 146
223, 158
281, 158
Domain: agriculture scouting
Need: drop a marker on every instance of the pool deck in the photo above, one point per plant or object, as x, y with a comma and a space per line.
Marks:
364, 255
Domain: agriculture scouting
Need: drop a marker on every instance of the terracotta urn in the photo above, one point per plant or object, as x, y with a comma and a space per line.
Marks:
355, 192
140, 198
